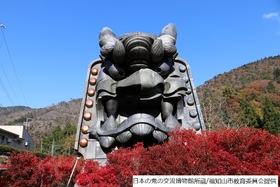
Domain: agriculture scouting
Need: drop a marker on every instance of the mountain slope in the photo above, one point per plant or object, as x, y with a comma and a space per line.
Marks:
244, 75
42, 121
239, 97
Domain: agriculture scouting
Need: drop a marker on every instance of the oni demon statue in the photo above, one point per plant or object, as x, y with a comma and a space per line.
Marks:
139, 90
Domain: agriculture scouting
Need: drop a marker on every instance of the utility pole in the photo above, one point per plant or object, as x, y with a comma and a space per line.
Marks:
53, 147
41, 143
26, 123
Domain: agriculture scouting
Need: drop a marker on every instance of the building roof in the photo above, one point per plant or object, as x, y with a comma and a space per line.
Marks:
2, 131
15, 129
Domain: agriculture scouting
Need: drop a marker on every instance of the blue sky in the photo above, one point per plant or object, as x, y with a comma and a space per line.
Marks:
47, 46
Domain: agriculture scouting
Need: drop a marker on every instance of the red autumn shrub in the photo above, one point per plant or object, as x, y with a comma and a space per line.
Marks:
22, 170
244, 151
226, 152
127, 162
25, 169
257, 150
55, 171
95, 176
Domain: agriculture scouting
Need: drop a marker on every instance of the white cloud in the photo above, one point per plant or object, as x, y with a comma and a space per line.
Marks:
272, 15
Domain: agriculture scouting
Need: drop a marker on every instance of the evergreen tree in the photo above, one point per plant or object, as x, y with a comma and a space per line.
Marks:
271, 87
248, 114
60, 142
276, 75
229, 91
271, 117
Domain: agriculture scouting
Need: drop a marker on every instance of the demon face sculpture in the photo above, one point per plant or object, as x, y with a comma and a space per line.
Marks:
139, 90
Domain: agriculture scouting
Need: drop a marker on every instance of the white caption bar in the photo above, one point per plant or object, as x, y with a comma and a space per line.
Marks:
205, 180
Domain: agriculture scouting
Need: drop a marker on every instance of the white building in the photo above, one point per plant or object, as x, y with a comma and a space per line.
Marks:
16, 136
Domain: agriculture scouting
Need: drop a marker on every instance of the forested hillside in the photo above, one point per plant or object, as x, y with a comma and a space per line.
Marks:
245, 96
45, 123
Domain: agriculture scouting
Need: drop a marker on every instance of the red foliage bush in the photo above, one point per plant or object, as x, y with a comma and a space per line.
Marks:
244, 151
55, 171
95, 176
25, 170
225, 152
22, 170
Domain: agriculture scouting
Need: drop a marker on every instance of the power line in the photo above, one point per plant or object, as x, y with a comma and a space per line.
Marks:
2, 83
5, 110
8, 83
6, 91
11, 60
